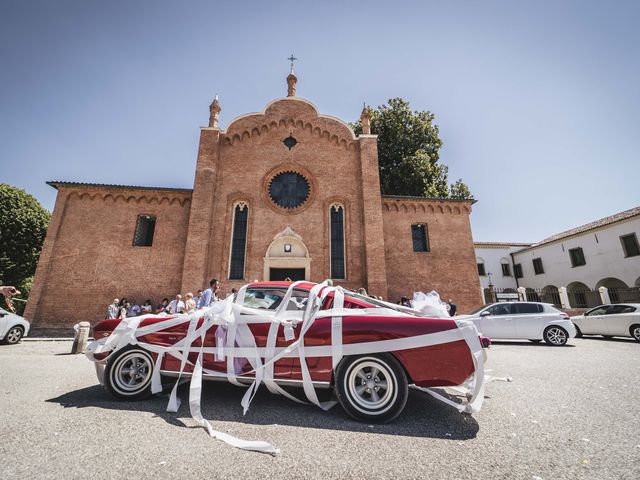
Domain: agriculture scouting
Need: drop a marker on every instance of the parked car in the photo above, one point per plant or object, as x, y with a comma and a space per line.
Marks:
13, 328
617, 320
370, 387
532, 321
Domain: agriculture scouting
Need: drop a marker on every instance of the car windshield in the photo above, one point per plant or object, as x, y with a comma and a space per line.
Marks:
473, 312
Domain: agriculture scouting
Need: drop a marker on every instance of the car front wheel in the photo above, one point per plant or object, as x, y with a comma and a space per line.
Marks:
556, 336
635, 332
372, 388
14, 335
128, 374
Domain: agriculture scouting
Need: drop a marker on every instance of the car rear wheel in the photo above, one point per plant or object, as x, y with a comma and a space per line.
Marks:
14, 335
128, 374
635, 332
556, 336
372, 388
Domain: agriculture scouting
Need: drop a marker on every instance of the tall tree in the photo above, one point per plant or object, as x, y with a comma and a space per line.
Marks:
23, 226
409, 151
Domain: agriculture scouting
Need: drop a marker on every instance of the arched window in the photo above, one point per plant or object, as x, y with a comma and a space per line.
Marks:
481, 270
238, 241
336, 216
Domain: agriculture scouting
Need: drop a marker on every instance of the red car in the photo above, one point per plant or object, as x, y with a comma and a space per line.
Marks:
400, 348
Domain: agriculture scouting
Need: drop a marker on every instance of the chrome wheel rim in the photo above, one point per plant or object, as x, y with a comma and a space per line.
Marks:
557, 336
132, 372
371, 385
636, 333
14, 335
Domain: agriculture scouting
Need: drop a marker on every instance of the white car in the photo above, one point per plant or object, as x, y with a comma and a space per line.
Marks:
12, 327
619, 320
523, 320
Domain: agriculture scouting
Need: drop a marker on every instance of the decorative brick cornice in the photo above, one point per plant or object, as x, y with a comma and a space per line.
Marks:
124, 193
287, 124
425, 205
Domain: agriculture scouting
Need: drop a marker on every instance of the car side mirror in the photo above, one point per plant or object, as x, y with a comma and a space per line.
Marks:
485, 314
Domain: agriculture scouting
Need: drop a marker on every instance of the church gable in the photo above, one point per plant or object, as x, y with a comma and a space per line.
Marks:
284, 116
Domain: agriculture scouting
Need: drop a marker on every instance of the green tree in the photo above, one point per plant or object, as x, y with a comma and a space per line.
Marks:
460, 190
23, 226
409, 151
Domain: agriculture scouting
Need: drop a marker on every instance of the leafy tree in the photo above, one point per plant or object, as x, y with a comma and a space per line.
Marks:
23, 226
408, 152
460, 190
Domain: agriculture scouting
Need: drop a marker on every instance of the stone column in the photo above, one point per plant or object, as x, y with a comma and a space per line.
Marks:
375, 262
604, 295
564, 297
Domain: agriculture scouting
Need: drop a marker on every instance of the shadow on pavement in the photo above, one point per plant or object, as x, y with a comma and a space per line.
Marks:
609, 339
423, 415
530, 344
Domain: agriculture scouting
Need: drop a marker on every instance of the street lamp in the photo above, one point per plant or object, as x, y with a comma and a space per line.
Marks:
491, 289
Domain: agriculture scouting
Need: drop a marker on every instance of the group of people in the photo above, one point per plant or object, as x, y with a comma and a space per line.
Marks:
123, 308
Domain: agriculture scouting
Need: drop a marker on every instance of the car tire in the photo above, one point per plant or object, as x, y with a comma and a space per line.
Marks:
14, 335
535, 340
634, 330
360, 390
578, 331
556, 336
127, 375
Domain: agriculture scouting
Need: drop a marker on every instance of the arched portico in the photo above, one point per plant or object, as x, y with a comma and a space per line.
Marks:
287, 256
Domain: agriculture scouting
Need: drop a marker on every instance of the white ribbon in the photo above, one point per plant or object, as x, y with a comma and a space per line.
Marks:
235, 343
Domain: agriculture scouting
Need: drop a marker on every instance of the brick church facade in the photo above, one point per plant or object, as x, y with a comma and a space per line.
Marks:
288, 192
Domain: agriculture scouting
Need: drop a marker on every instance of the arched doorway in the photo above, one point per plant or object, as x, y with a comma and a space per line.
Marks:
581, 296
287, 257
618, 290
550, 294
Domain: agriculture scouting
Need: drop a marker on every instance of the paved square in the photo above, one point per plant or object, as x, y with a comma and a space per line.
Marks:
571, 412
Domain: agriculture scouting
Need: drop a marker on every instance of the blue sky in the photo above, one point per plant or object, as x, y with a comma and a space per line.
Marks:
538, 103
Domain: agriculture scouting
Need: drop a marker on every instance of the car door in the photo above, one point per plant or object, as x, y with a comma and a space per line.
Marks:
499, 322
267, 300
528, 319
618, 319
593, 321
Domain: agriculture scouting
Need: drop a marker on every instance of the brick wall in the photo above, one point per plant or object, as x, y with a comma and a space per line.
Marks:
450, 265
92, 260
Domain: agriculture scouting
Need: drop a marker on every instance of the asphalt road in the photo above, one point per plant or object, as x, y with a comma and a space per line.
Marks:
571, 412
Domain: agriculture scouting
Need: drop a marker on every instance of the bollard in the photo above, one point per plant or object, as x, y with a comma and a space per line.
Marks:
81, 337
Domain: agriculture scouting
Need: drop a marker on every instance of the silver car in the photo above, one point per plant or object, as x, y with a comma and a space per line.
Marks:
12, 327
532, 321
617, 320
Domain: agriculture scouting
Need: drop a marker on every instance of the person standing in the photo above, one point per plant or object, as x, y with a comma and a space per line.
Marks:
113, 309
146, 308
176, 306
452, 308
209, 295
190, 303
163, 307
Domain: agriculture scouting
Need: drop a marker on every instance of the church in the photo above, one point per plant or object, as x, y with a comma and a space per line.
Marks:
285, 193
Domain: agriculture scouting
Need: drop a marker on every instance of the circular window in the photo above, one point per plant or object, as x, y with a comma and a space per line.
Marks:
288, 189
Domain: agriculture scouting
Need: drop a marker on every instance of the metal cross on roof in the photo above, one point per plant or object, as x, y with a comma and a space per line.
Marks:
292, 59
